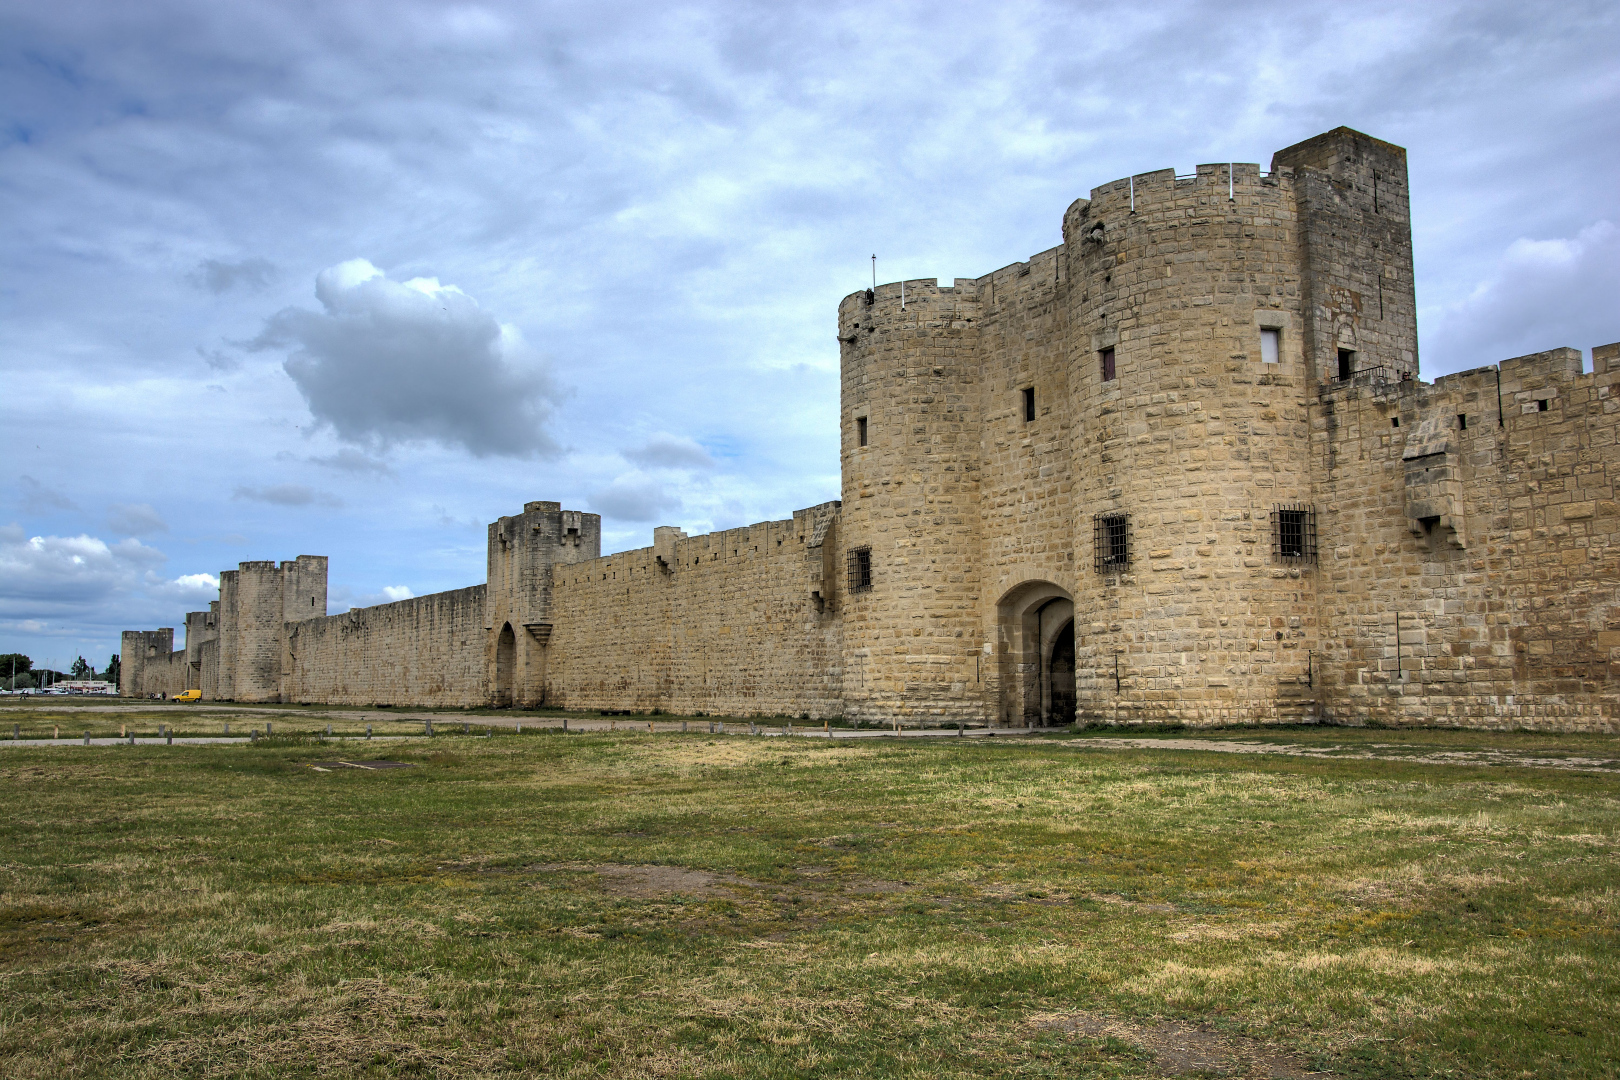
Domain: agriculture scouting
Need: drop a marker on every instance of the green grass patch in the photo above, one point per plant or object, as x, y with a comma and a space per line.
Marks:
625, 905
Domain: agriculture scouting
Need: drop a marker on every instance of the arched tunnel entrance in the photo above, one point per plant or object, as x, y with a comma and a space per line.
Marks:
1036, 625
505, 665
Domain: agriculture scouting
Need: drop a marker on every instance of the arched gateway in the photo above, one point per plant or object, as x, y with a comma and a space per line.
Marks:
505, 665
1035, 622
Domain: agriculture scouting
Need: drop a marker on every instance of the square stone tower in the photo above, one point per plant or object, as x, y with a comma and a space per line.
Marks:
522, 551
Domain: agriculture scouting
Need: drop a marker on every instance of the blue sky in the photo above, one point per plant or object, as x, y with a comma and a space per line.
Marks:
355, 279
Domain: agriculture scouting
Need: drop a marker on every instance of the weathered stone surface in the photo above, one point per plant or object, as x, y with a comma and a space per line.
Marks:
1022, 539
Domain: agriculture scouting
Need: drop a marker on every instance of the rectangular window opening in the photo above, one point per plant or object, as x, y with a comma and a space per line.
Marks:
1111, 542
1347, 363
1462, 421
1270, 346
1293, 533
1029, 404
860, 569
1541, 405
1394, 421
1105, 360
860, 431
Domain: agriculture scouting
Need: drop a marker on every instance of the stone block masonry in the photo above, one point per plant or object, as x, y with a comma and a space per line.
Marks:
1179, 468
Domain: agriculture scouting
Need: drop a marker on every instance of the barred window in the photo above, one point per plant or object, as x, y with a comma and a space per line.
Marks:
860, 569
1111, 535
1293, 534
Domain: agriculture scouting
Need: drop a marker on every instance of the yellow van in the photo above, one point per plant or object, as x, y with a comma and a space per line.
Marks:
189, 695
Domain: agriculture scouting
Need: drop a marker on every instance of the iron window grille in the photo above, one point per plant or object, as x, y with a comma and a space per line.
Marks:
860, 569
1293, 533
1111, 542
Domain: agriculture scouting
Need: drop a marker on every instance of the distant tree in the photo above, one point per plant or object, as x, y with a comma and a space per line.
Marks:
14, 663
21, 682
112, 672
81, 669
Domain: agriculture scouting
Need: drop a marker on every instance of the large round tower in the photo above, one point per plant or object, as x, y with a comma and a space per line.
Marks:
1194, 528
909, 524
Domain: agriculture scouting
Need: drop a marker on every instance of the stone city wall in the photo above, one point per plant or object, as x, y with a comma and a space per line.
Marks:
428, 651
729, 623
1470, 547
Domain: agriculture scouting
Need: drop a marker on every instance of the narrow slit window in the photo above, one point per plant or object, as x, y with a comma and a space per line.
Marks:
1105, 361
1394, 421
1462, 421
1029, 404
1347, 363
1270, 346
860, 569
1111, 538
860, 431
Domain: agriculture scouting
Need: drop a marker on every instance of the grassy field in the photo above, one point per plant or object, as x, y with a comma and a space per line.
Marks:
695, 905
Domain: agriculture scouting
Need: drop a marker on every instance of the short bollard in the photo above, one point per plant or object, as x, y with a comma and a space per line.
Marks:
123, 729
227, 729
960, 729
132, 738
785, 728
683, 727
87, 738
170, 737
253, 735
722, 727
464, 728
753, 728
15, 728
427, 726
267, 729
826, 725
368, 731
711, 727
328, 731
56, 733
519, 728
565, 723
649, 726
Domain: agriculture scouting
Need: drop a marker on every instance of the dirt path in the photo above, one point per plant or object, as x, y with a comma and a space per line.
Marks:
1363, 752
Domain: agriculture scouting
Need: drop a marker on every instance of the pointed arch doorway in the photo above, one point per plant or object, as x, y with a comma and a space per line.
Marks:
1035, 621
505, 665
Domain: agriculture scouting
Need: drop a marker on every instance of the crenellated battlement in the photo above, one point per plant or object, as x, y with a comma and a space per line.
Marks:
1179, 468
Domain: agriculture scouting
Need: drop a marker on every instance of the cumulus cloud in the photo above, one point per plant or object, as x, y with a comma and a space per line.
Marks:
1541, 294
386, 362
135, 519
351, 460
665, 451
219, 277
286, 495
55, 585
634, 498
67, 569
39, 499
191, 591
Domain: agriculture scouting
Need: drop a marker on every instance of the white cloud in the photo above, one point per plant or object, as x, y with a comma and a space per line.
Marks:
1541, 294
39, 499
387, 362
634, 498
350, 460
286, 495
135, 519
665, 451
218, 277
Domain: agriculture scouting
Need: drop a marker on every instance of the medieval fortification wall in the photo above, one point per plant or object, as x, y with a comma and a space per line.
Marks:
1179, 468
